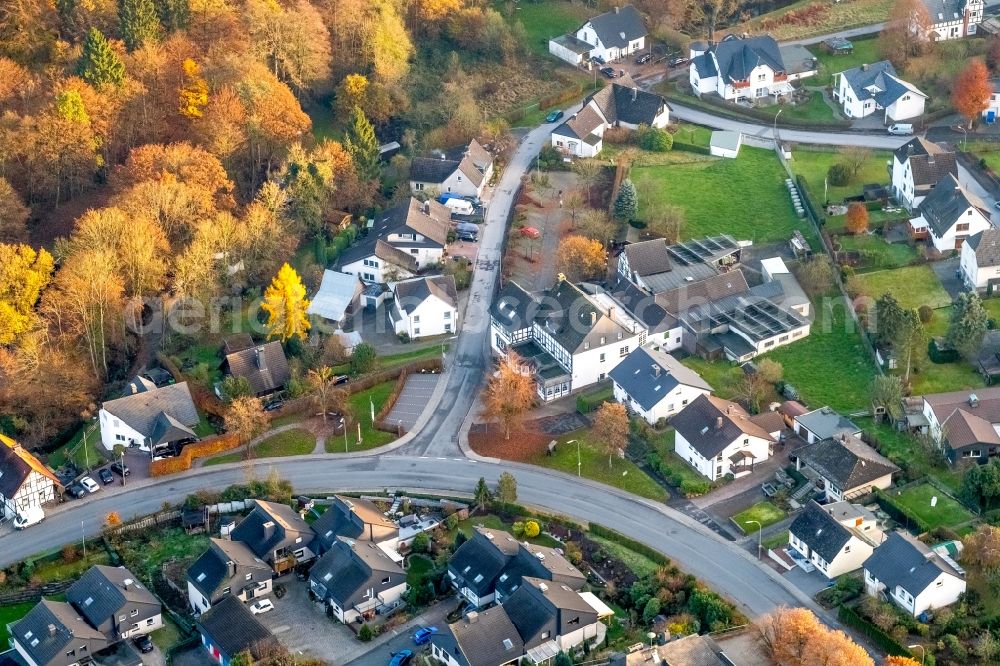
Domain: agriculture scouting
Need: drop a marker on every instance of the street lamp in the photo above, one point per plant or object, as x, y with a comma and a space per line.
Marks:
343, 423
775, 131
578, 463
123, 467
965, 137
923, 653
760, 528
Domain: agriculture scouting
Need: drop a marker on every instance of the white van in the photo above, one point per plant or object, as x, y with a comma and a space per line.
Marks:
460, 206
28, 517
901, 129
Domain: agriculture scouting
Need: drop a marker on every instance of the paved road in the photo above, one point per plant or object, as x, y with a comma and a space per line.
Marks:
725, 566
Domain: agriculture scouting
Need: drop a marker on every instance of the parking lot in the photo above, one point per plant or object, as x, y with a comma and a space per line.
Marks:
303, 627
412, 400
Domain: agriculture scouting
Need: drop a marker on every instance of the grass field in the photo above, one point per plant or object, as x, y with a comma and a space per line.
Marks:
714, 195
912, 286
360, 406
547, 19
946, 513
416, 566
621, 474
763, 512
865, 52
58, 570
831, 366
294, 442
10, 614
988, 152
815, 110
663, 443
775, 540
834, 17
720, 375
83, 456
639, 564
813, 166
878, 255
496, 523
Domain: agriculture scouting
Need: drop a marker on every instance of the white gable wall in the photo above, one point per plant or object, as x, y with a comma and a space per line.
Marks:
115, 431
432, 317
719, 466
910, 105
850, 558
671, 403
971, 222
902, 183
373, 269
976, 277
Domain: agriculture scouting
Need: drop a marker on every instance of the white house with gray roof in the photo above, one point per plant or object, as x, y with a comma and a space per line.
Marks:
740, 69
953, 19
150, 417
112, 600
950, 214
655, 385
913, 576
465, 174
824, 423
356, 579
614, 34
980, 260
875, 87
836, 538
424, 306
917, 166
226, 568
718, 437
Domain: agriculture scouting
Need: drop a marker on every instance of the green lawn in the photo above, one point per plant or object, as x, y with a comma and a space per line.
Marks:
10, 614
639, 564
84, 457
901, 446
417, 566
989, 152
912, 286
775, 540
830, 366
360, 407
816, 110
876, 253
865, 52
294, 442
493, 522
917, 500
707, 190
621, 474
763, 512
834, 17
813, 166
58, 570
547, 19
168, 635
722, 375
393, 360
663, 443
145, 556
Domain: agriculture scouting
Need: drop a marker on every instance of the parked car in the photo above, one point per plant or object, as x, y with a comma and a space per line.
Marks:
341, 379
901, 129
105, 475
609, 72
120, 468
531, 232
89, 484
424, 634
401, 658
144, 643
262, 606
553, 116
28, 517
273, 406
598, 59
644, 58
75, 490
678, 61
467, 237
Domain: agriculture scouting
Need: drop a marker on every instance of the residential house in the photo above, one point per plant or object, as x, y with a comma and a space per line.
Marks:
992, 110
149, 417
965, 424
870, 88
512, 316
953, 19
264, 367
277, 535
609, 36
466, 174
115, 603
54, 633
576, 338
356, 579
913, 576
917, 166
230, 629
836, 538
483, 638
824, 423
424, 306
980, 260
692, 650
740, 69
656, 267
792, 297
620, 104
354, 519
227, 568
848, 467
949, 214
338, 296
551, 617
537, 562
654, 384
25, 482
718, 437
401, 241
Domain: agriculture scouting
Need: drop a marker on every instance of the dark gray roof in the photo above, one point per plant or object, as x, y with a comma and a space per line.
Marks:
443, 639
710, 424
636, 375
541, 563
704, 65
233, 628
103, 591
929, 162
431, 169
619, 26
944, 11
512, 307
878, 81
420, 217
411, 293
826, 423
648, 257
541, 605
352, 518
642, 306
907, 563
737, 58
141, 410
572, 43
262, 539
347, 571
820, 531
946, 203
264, 366
848, 463
16, 464
168, 429
986, 245
55, 626
565, 313
211, 572
485, 554
628, 104
488, 638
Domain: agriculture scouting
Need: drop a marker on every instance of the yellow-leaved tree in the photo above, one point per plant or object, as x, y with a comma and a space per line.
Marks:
193, 92
285, 303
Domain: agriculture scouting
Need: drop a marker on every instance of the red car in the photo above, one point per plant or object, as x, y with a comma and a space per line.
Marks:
530, 232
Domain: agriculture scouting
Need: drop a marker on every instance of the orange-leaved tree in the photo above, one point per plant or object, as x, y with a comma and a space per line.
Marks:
580, 258
795, 637
970, 94
611, 428
893, 660
857, 218
510, 393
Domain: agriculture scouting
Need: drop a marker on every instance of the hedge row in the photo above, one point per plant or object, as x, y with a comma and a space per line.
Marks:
631, 544
588, 403
691, 148
889, 644
203, 449
807, 198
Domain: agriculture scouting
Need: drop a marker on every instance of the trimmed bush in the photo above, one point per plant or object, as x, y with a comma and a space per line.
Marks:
656, 140
850, 617
203, 449
839, 175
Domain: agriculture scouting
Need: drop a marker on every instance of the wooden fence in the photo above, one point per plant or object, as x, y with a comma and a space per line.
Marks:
34, 593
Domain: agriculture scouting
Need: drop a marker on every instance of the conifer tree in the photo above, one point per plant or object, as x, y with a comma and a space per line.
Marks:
627, 202
99, 64
139, 22
362, 144
285, 302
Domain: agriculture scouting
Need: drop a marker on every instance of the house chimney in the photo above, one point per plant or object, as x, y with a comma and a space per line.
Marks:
473, 617
864, 67
52, 630
231, 568
718, 423
635, 93
656, 370
973, 400
593, 318
268, 529
617, 8
259, 358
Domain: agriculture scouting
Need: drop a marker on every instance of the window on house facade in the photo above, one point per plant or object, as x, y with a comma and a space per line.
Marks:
416, 331
962, 226
416, 319
447, 315
623, 352
418, 186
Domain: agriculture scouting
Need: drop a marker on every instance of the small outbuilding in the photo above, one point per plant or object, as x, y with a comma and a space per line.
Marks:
726, 143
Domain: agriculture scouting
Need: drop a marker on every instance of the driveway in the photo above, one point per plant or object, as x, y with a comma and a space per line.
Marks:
412, 400
302, 625
946, 271
401, 638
